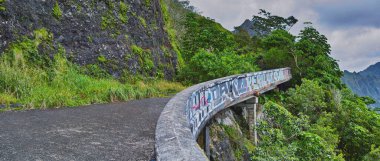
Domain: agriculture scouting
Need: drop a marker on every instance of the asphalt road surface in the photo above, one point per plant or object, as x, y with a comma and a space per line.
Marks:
119, 131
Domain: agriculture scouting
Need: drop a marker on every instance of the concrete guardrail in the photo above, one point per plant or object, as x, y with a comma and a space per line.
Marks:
186, 114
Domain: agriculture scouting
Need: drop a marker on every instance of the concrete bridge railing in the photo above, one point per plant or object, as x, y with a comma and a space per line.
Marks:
188, 112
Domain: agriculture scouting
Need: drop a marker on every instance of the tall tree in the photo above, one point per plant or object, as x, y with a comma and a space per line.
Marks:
266, 22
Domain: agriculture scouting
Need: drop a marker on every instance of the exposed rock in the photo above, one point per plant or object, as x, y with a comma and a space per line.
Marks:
227, 118
229, 136
221, 147
247, 26
88, 29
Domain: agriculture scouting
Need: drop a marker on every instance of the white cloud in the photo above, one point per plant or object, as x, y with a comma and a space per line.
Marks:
232, 13
355, 48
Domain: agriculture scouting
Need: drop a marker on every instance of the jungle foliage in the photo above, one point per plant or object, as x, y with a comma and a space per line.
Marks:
314, 116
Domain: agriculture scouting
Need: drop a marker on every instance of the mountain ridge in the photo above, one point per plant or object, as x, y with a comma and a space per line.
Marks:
365, 83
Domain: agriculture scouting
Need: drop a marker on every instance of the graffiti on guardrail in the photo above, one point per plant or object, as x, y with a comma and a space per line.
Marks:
217, 95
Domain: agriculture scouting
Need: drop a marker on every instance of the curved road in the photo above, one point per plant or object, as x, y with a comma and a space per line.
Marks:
119, 131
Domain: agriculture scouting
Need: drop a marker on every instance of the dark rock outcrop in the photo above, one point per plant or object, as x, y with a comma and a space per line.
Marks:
102, 32
247, 26
228, 134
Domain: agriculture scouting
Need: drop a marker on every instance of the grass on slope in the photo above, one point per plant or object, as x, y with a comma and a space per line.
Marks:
33, 80
36, 88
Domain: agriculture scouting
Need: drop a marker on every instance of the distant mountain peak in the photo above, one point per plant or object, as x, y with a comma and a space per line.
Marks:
376, 65
372, 70
365, 83
247, 26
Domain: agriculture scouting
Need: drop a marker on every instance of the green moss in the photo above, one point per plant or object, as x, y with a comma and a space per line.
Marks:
2, 8
147, 3
137, 50
112, 20
102, 59
160, 70
231, 132
123, 9
148, 62
169, 27
79, 7
144, 58
90, 39
248, 144
108, 22
26, 50
127, 57
167, 54
110, 4
238, 154
57, 12
142, 21
42, 34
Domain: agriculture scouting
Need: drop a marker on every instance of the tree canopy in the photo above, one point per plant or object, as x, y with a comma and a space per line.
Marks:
315, 117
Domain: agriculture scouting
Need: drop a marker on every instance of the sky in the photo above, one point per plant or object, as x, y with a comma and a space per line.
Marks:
351, 26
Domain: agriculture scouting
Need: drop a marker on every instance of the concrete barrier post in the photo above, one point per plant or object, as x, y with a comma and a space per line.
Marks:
207, 141
251, 105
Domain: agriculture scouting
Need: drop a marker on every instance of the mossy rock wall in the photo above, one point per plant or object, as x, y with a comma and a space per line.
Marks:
229, 136
100, 32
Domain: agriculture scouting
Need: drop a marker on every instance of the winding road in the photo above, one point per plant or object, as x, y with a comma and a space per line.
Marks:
118, 131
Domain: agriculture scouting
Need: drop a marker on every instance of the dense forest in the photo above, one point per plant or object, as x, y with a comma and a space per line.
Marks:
312, 117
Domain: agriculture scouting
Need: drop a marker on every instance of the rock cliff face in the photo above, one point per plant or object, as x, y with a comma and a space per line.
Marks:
247, 26
228, 134
365, 83
121, 36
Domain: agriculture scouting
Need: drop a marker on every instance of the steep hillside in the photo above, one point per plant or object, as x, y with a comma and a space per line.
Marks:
59, 53
365, 83
123, 37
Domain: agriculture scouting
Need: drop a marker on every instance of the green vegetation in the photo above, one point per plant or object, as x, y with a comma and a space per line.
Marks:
265, 23
210, 51
238, 141
57, 12
145, 60
7, 99
142, 21
173, 11
205, 66
148, 3
312, 117
32, 79
2, 8
112, 20
102, 59
123, 9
